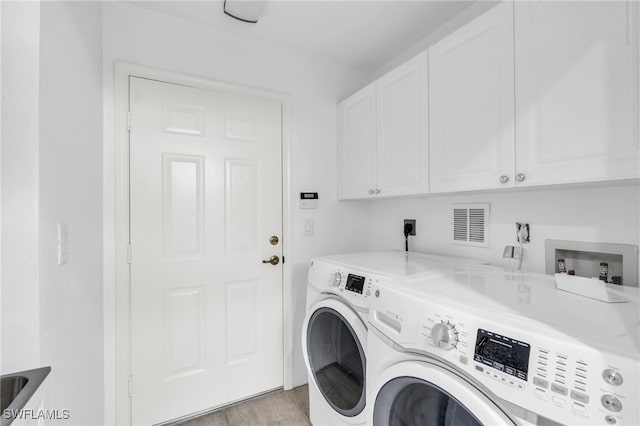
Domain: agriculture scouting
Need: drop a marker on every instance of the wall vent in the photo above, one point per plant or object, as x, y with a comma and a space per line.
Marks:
470, 224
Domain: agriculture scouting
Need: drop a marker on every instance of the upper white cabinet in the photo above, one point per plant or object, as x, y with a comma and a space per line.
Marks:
576, 91
357, 144
471, 107
383, 135
529, 93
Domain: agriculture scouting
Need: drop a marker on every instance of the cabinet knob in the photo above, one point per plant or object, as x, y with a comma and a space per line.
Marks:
377, 191
504, 179
371, 192
520, 177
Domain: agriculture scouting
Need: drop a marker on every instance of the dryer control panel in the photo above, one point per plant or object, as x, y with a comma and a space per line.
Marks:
351, 284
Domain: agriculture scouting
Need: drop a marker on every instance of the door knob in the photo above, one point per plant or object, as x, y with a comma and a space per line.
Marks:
274, 260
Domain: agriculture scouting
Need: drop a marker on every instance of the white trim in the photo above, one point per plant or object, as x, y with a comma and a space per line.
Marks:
121, 309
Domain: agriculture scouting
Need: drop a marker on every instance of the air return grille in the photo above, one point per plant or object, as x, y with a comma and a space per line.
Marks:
470, 224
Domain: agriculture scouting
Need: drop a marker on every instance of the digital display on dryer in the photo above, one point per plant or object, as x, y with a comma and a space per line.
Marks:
355, 283
503, 353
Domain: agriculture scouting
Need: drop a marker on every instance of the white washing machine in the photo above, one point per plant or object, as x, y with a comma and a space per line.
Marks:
334, 334
488, 347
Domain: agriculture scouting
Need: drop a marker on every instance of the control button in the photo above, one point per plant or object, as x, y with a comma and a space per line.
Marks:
444, 335
558, 401
559, 389
521, 386
539, 381
540, 393
579, 407
579, 396
611, 403
613, 377
337, 279
610, 420
479, 368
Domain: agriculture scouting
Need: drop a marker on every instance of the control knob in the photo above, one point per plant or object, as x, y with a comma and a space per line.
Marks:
337, 279
444, 335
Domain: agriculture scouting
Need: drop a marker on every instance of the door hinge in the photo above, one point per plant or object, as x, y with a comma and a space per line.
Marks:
129, 253
130, 386
129, 121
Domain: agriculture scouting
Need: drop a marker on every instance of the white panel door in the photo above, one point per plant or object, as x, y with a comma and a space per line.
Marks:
471, 110
402, 144
576, 91
206, 196
357, 144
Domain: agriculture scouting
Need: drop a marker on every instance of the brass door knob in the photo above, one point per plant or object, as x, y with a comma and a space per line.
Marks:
274, 260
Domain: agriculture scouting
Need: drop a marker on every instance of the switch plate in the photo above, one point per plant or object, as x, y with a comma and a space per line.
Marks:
63, 244
308, 226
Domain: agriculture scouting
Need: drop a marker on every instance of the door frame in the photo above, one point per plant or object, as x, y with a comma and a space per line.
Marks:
123, 353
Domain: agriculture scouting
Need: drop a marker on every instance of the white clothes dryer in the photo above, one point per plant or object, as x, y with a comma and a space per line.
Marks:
487, 346
334, 334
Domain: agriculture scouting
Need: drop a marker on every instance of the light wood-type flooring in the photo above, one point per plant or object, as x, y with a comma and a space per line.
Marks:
280, 408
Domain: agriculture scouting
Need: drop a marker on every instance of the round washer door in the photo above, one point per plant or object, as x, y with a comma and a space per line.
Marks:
333, 339
432, 394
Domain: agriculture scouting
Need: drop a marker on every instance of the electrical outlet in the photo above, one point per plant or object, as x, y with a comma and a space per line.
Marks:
522, 231
411, 222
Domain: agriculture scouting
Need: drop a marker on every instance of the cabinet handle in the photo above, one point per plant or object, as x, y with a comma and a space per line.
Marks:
371, 192
504, 179
377, 191
520, 177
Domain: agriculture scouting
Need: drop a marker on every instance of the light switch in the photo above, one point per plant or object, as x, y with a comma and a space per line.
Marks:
308, 226
63, 244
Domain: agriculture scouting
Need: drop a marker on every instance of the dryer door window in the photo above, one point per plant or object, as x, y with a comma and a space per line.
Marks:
411, 401
337, 361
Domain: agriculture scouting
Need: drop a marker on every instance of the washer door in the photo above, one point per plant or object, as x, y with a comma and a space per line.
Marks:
432, 394
334, 338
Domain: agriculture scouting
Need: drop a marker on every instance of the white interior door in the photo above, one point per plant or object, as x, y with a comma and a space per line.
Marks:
206, 197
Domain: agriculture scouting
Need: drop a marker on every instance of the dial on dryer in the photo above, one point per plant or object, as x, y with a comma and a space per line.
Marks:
444, 335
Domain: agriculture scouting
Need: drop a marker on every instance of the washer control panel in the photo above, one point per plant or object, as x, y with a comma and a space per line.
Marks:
547, 374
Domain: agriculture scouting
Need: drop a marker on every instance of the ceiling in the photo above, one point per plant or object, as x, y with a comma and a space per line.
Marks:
359, 34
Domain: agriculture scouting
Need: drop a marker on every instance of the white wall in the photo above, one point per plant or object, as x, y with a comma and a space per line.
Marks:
51, 145
20, 305
70, 189
606, 214
137, 35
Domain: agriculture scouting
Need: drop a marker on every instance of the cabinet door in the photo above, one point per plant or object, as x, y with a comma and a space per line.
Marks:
471, 110
576, 91
356, 145
402, 143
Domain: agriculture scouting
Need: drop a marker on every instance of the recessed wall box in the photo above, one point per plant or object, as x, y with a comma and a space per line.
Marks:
308, 200
612, 263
